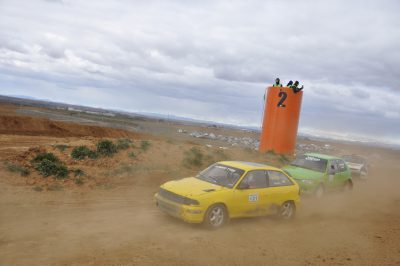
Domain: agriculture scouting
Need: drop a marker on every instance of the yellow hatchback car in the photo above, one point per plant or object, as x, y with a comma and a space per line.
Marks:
230, 189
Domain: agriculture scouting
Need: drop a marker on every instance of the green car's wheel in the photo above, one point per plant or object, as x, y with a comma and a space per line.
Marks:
319, 192
215, 216
287, 211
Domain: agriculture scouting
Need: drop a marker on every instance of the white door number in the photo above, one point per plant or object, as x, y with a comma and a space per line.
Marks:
253, 197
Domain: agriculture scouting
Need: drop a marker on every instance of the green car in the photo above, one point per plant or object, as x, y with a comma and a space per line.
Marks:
317, 173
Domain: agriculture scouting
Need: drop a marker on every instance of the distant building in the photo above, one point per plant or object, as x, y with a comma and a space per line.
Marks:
74, 110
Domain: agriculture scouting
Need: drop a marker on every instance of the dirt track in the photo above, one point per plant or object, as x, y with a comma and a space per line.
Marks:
121, 226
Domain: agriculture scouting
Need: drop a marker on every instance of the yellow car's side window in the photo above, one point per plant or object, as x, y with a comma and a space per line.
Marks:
255, 179
277, 179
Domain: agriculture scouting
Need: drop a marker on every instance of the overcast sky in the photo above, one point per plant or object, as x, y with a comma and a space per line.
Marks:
211, 59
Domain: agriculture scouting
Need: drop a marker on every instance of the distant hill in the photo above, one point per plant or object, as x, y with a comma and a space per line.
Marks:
30, 101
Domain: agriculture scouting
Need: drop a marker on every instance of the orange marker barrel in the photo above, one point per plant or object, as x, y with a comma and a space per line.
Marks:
281, 120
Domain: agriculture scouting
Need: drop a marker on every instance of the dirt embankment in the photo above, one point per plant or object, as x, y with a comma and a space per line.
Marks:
32, 126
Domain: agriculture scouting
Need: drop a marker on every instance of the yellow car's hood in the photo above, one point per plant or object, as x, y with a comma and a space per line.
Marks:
190, 187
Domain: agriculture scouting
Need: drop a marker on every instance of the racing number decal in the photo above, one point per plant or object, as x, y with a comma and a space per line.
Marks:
283, 96
253, 197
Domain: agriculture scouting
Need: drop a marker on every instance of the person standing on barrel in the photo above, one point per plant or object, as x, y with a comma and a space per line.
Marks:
277, 83
295, 87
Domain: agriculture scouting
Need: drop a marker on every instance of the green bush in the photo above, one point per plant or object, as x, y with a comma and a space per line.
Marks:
106, 148
144, 145
132, 155
47, 164
48, 168
81, 152
124, 143
17, 169
46, 156
193, 157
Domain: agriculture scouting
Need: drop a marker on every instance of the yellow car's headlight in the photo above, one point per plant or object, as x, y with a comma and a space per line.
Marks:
190, 202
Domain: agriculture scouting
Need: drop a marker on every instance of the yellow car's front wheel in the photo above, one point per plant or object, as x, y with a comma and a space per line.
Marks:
216, 216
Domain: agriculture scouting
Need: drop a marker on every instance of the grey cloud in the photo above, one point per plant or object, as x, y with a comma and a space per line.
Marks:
360, 94
220, 55
55, 1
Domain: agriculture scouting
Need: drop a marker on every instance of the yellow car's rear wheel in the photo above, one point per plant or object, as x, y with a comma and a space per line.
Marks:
287, 211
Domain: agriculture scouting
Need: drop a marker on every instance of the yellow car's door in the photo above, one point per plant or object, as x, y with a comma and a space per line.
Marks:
280, 188
251, 197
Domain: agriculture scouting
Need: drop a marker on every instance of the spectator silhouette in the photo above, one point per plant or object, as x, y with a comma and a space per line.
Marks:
295, 87
277, 83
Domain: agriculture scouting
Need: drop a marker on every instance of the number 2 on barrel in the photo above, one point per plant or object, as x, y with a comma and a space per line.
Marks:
283, 96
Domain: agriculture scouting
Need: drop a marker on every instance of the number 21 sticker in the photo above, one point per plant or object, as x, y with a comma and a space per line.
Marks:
253, 197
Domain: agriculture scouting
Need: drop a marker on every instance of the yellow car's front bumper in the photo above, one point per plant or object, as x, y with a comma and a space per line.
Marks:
190, 214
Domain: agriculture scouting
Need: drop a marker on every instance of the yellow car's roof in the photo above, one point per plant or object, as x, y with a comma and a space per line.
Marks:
248, 165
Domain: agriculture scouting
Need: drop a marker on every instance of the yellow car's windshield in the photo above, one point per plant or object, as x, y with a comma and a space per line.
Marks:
220, 174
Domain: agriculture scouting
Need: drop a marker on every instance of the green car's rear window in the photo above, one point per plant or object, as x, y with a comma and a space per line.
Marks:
311, 163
